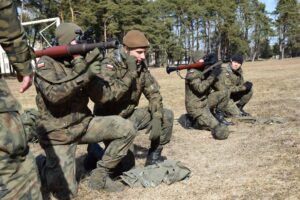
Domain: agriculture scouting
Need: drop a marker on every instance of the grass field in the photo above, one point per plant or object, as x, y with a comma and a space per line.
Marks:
257, 161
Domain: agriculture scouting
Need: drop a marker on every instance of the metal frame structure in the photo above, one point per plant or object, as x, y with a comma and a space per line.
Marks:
4, 63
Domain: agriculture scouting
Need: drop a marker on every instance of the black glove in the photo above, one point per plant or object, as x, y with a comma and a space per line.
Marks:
248, 85
210, 59
216, 71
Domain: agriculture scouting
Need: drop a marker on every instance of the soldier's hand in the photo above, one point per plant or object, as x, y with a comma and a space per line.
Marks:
79, 65
210, 59
94, 69
131, 63
216, 71
26, 82
155, 107
248, 85
155, 127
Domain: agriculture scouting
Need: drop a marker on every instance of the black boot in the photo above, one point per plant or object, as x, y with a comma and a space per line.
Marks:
154, 156
243, 113
41, 163
220, 117
95, 153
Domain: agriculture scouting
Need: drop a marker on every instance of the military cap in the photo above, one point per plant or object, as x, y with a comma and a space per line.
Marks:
135, 39
196, 56
237, 58
65, 33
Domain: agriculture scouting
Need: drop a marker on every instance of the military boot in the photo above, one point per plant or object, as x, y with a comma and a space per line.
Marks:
243, 113
100, 179
41, 163
95, 153
220, 117
154, 156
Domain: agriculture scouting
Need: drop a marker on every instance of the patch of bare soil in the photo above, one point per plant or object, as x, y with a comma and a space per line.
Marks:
257, 161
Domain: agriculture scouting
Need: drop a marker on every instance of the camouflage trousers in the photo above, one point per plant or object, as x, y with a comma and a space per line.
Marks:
18, 172
141, 118
204, 117
58, 173
238, 99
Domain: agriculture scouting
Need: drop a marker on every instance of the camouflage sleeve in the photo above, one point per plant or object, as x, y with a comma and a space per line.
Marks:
198, 84
114, 85
223, 83
151, 92
238, 88
13, 39
47, 82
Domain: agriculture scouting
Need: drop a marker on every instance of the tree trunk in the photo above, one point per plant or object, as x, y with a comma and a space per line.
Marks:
71, 11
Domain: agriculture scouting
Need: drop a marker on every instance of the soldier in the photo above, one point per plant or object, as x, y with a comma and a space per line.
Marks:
231, 78
63, 90
203, 104
129, 72
18, 172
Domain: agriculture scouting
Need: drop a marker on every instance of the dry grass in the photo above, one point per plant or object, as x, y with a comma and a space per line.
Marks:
255, 162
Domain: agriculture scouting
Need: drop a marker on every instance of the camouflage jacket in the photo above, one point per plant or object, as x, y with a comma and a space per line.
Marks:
231, 80
127, 87
62, 98
197, 89
13, 41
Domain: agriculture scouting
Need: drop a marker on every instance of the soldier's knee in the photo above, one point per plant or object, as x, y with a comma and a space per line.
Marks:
220, 132
128, 129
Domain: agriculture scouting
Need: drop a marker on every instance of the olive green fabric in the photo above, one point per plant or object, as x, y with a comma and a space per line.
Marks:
135, 39
13, 41
168, 172
18, 173
65, 33
128, 86
233, 81
29, 118
196, 56
201, 99
65, 121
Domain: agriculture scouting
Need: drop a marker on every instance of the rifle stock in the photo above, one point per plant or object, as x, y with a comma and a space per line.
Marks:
68, 50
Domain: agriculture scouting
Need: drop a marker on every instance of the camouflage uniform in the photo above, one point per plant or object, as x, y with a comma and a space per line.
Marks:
201, 101
234, 82
129, 88
18, 173
62, 98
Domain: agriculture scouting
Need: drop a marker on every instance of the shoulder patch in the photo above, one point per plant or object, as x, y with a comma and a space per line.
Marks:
191, 71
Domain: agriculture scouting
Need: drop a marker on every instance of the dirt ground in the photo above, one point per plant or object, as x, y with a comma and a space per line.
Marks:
257, 161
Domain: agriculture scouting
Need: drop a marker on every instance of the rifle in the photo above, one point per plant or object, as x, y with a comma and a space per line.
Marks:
68, 50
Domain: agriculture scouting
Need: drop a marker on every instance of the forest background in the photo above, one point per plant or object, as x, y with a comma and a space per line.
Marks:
176, 28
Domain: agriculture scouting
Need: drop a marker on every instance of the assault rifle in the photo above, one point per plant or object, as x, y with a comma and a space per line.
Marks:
85, 43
